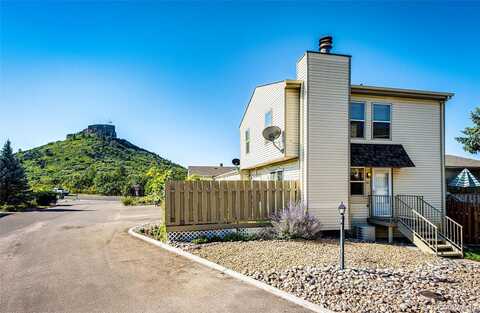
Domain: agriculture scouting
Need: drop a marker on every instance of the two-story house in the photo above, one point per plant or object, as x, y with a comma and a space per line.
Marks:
379, 150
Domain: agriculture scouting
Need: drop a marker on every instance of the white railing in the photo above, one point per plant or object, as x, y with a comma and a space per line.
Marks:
417, 224
446, 228
453, 232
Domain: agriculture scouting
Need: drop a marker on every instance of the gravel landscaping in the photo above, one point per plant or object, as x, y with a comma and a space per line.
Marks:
379, 277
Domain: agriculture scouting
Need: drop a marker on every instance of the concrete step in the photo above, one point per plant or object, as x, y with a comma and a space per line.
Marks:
450, 254
445, 247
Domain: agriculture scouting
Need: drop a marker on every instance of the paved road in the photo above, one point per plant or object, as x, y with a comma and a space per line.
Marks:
78, 257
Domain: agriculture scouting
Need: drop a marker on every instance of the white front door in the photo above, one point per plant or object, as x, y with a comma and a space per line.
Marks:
382, 191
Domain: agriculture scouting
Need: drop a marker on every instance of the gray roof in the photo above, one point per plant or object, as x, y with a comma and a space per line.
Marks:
379, 155
460, 162
209, 170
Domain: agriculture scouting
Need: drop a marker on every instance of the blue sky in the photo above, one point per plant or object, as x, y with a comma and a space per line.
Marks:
175, 77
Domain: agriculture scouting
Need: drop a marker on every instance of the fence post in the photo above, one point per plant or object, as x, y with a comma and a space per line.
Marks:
168, 203
177, 202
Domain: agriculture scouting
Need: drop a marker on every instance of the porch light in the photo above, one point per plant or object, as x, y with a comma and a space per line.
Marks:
341, 209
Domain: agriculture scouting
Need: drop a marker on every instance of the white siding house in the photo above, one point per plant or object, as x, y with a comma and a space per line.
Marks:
346, 143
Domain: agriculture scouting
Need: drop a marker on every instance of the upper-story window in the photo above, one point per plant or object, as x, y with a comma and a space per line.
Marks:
247, 141
357, 120
268, 118
381, 121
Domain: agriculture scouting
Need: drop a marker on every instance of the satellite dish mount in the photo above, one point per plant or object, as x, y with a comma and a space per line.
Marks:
272, 133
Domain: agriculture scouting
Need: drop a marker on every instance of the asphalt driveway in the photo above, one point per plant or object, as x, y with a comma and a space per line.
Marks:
78, 257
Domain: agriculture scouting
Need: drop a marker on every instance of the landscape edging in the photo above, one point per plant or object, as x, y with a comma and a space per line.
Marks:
275, 291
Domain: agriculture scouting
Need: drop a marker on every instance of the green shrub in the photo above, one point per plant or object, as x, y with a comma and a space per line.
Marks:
238, 237
230, 237
157, 232
45, 198
127, 201
147, 200
200, 240
13, 208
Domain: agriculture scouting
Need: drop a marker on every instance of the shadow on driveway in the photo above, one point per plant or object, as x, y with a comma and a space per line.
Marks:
2, 214
56, 209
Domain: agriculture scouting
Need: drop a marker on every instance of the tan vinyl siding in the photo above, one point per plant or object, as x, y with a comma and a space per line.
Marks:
265, 98
233, 176
327, 144
292, 121
415, 124
291, 171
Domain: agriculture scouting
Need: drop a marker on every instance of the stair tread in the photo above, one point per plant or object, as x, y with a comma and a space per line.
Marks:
450, 253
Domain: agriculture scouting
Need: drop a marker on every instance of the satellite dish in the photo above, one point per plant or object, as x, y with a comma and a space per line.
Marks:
271, 133
236, 162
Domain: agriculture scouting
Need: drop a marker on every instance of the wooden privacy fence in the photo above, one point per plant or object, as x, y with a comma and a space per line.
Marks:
468, 215
199, 205
468, 197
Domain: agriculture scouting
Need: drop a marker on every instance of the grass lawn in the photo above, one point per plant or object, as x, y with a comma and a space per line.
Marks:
473, 254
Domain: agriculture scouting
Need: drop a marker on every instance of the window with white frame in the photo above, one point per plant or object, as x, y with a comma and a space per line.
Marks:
247, 141
268, 118
381, 121
357, 120
357, 181
276, 175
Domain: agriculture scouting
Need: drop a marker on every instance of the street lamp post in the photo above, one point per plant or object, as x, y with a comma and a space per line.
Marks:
341, 209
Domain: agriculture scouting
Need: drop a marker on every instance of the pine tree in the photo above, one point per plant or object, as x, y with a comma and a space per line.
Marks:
14, 189
471, 140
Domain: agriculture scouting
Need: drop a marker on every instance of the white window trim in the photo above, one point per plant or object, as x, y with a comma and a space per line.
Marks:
358, 181
264, 124
248, 141
374, 121
271, 116
356, 120
277, 171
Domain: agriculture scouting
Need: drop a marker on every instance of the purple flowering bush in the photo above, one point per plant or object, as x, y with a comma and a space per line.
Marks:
295, 222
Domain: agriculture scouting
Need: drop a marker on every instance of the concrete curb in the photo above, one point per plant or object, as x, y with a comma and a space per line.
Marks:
279, 293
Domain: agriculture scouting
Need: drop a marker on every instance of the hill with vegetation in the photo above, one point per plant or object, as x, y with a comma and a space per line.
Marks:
95, 161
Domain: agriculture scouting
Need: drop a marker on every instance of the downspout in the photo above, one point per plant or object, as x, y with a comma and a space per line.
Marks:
442, 159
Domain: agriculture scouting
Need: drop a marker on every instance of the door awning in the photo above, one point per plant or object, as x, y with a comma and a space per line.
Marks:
379, 155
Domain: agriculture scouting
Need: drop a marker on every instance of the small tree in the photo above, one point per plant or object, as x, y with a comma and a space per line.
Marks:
471, 140
193, 177
14, 189
155, 186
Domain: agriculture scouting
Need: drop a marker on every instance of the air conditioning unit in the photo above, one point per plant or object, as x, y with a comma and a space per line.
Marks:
365, 232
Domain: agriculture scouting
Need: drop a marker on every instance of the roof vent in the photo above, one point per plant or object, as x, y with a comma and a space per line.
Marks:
325, 44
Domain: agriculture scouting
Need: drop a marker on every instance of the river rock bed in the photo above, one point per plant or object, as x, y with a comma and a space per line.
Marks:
378, 278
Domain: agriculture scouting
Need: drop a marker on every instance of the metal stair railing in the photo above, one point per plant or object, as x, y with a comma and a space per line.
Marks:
420, 226
448, 229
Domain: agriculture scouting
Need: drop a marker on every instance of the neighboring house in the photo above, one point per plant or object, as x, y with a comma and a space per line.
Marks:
455, 164
209, 172
231, 175
361, 145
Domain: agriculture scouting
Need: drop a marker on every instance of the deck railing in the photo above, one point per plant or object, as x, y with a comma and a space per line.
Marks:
381, 206
448, 229
423, 219
420, 226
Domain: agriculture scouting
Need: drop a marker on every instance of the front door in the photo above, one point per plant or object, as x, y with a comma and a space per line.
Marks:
382, 191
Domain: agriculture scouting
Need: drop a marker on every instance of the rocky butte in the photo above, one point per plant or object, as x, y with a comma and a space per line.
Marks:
100, 130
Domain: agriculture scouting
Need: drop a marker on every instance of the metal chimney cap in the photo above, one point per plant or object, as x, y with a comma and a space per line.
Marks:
325, 44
